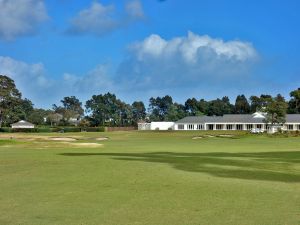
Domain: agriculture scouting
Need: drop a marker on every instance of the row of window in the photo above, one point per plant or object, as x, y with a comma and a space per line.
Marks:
291, 127
230, 126
191, 127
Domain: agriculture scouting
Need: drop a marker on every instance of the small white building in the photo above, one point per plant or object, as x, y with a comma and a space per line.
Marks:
156, 126
22, 124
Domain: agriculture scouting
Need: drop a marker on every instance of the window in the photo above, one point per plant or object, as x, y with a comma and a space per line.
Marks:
199, 127
190, 126
239, 126
290, 127
259, 126
249, 126
219, 127
180, 127
210, 126
298, 127
229, 127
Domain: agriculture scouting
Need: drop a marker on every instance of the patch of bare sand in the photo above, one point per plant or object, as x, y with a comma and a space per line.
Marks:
209, 136
102, 139
62, 139
86, 144
226, 135
195, 138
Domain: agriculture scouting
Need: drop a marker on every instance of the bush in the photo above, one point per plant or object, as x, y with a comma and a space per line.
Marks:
71, 129
24, 130
44, 130
5, 129
94, 129
51, 129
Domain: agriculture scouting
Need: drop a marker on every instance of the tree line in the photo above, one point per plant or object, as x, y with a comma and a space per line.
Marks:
108, 110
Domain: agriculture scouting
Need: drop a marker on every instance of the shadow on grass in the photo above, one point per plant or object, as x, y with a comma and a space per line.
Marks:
264, 166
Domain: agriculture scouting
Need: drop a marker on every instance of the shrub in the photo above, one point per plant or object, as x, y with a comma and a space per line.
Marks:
24, 130
5, 129
95, 129
44, 130
71, 129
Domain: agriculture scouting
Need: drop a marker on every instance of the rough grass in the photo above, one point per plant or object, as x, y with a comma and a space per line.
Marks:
149, 178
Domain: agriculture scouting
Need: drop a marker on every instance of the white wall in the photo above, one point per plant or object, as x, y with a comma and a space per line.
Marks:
21, 126
162, 125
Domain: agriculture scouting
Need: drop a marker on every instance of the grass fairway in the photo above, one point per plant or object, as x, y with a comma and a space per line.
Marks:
151, 178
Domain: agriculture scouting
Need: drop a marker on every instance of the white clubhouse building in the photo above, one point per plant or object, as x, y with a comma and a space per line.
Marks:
22, 125
225, 122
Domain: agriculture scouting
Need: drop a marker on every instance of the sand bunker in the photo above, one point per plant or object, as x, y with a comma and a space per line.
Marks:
194, 138
226, 135
62, 139
86, 144
102, 139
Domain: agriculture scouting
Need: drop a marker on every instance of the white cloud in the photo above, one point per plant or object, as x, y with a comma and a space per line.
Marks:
92, 82
190, 63
24, 74
20, 17
192, 47
33, 82
134, 9
184, 66
99, 19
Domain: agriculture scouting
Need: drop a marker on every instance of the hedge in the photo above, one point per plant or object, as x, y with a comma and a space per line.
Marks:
94, 129
5, 129
51, 129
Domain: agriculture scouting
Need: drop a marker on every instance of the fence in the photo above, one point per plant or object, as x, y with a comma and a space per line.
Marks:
120, 128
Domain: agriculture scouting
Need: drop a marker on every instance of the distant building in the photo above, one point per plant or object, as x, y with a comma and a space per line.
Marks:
248, 122
22, 124
156, 126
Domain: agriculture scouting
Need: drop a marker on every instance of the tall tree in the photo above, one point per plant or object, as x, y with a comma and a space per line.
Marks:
227, 108
71, 108
138, 111
74, 105
12, 106
215, 107
192, 107
276, 110
159, 107
38, 116
294, 103
107, 109
241, 105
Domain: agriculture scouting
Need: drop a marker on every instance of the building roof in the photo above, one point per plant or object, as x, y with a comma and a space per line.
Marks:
235, 118
22, 123
293, 118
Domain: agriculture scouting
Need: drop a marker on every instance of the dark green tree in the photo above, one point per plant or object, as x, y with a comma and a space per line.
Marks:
276, 110
138, 111
294, 103
108, 110
12, 106
241, 105
38, 116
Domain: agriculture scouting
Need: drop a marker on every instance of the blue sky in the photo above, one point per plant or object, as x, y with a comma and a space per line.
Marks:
143, 48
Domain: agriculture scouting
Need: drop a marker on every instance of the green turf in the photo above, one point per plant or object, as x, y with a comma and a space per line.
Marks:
157, 178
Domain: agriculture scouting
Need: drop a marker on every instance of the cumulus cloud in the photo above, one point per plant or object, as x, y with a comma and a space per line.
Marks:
34, 83
92, 82
29, 78
99, 19
134, 10
192, 65
186, 61
20, 17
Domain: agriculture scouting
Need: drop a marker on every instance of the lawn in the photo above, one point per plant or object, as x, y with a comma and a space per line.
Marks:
151, 178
